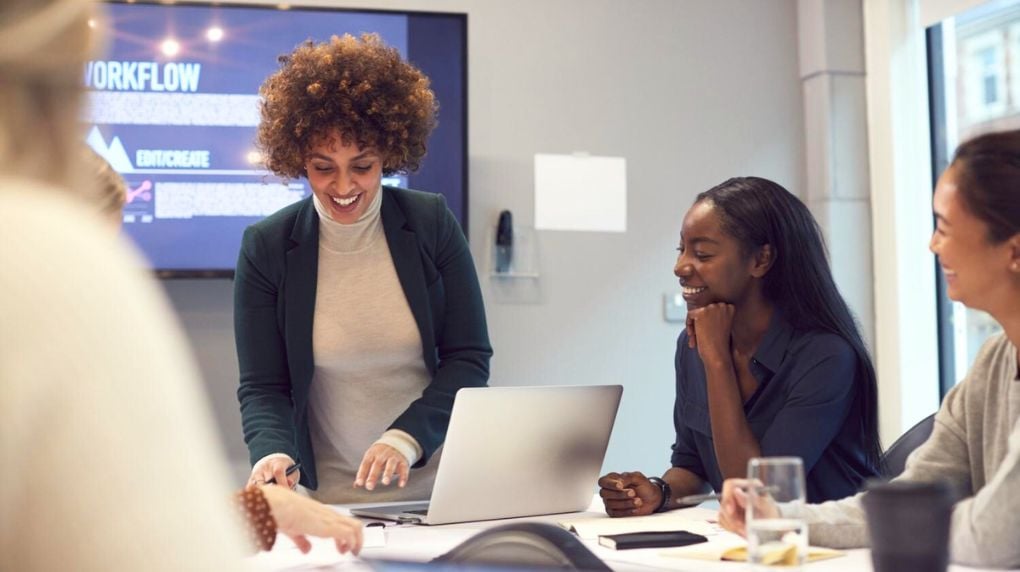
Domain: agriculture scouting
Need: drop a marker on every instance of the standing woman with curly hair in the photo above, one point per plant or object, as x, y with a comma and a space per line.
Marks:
357, 311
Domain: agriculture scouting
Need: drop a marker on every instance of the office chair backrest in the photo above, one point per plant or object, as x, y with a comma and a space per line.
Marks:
894, 460
525, 545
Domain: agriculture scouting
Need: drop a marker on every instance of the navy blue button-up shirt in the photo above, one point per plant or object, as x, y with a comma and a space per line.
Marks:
806, 405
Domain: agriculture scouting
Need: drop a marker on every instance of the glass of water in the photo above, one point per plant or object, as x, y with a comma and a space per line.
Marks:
776, 530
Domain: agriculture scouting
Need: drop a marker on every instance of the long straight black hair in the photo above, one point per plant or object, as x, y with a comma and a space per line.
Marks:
757, 212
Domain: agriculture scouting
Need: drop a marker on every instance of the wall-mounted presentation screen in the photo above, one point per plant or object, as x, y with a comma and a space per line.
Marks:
173, 106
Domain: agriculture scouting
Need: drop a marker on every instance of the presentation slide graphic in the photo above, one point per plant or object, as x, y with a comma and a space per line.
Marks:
174, 106
142, 192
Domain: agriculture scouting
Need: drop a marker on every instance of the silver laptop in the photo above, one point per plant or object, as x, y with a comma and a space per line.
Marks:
516, 451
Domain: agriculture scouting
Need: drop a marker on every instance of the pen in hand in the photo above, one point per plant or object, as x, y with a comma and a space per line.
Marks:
290, 471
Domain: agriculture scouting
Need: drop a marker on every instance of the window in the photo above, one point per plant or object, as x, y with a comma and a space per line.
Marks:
984, 73
974, 78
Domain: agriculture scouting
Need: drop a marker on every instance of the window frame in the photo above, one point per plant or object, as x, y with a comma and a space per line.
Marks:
940, 159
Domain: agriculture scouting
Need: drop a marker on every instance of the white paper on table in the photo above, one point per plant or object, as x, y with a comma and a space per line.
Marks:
580, 192
696, 520
729, 546
713, 550
373, 537
286, 556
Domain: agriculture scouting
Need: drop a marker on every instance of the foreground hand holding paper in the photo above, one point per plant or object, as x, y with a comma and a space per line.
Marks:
285, 555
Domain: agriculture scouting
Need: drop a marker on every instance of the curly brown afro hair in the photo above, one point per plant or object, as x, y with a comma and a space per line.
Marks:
360, 87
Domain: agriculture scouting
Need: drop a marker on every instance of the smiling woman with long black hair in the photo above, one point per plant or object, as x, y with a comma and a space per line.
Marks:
771, 361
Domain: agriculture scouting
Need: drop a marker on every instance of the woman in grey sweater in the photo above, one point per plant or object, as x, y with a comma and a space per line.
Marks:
976, 440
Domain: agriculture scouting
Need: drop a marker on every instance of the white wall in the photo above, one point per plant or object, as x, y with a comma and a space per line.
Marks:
689, 92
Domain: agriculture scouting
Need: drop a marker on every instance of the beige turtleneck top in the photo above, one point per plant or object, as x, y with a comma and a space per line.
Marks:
368, 357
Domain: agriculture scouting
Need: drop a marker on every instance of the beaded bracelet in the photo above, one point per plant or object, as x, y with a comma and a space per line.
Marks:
251, 503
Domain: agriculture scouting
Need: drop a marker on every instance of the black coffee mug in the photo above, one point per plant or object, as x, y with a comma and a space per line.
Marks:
909, 525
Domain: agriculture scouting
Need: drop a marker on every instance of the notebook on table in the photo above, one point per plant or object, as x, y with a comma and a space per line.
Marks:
650, 539
516, 451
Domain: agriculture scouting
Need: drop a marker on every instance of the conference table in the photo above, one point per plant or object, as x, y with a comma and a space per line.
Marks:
417, 543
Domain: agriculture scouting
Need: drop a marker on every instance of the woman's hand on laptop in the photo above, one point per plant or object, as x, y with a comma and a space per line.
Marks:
629, 494
382, 463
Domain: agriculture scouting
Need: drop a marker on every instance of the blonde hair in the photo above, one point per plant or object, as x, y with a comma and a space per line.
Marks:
111, 190
44, 45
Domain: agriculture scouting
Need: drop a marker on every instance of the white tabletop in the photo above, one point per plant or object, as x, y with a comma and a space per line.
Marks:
422, 543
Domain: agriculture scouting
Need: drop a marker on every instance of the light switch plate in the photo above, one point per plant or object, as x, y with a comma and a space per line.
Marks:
674, 307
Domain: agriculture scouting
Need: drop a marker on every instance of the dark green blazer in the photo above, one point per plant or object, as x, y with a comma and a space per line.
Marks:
274, 302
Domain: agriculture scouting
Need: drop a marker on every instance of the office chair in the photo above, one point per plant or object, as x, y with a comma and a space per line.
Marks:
524, 545
895, 457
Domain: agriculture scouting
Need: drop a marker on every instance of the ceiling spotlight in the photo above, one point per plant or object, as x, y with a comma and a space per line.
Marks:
254, 158
214, 34
92, 22
170, 47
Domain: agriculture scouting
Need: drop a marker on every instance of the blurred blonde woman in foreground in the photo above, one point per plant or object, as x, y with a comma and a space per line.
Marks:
102, 422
